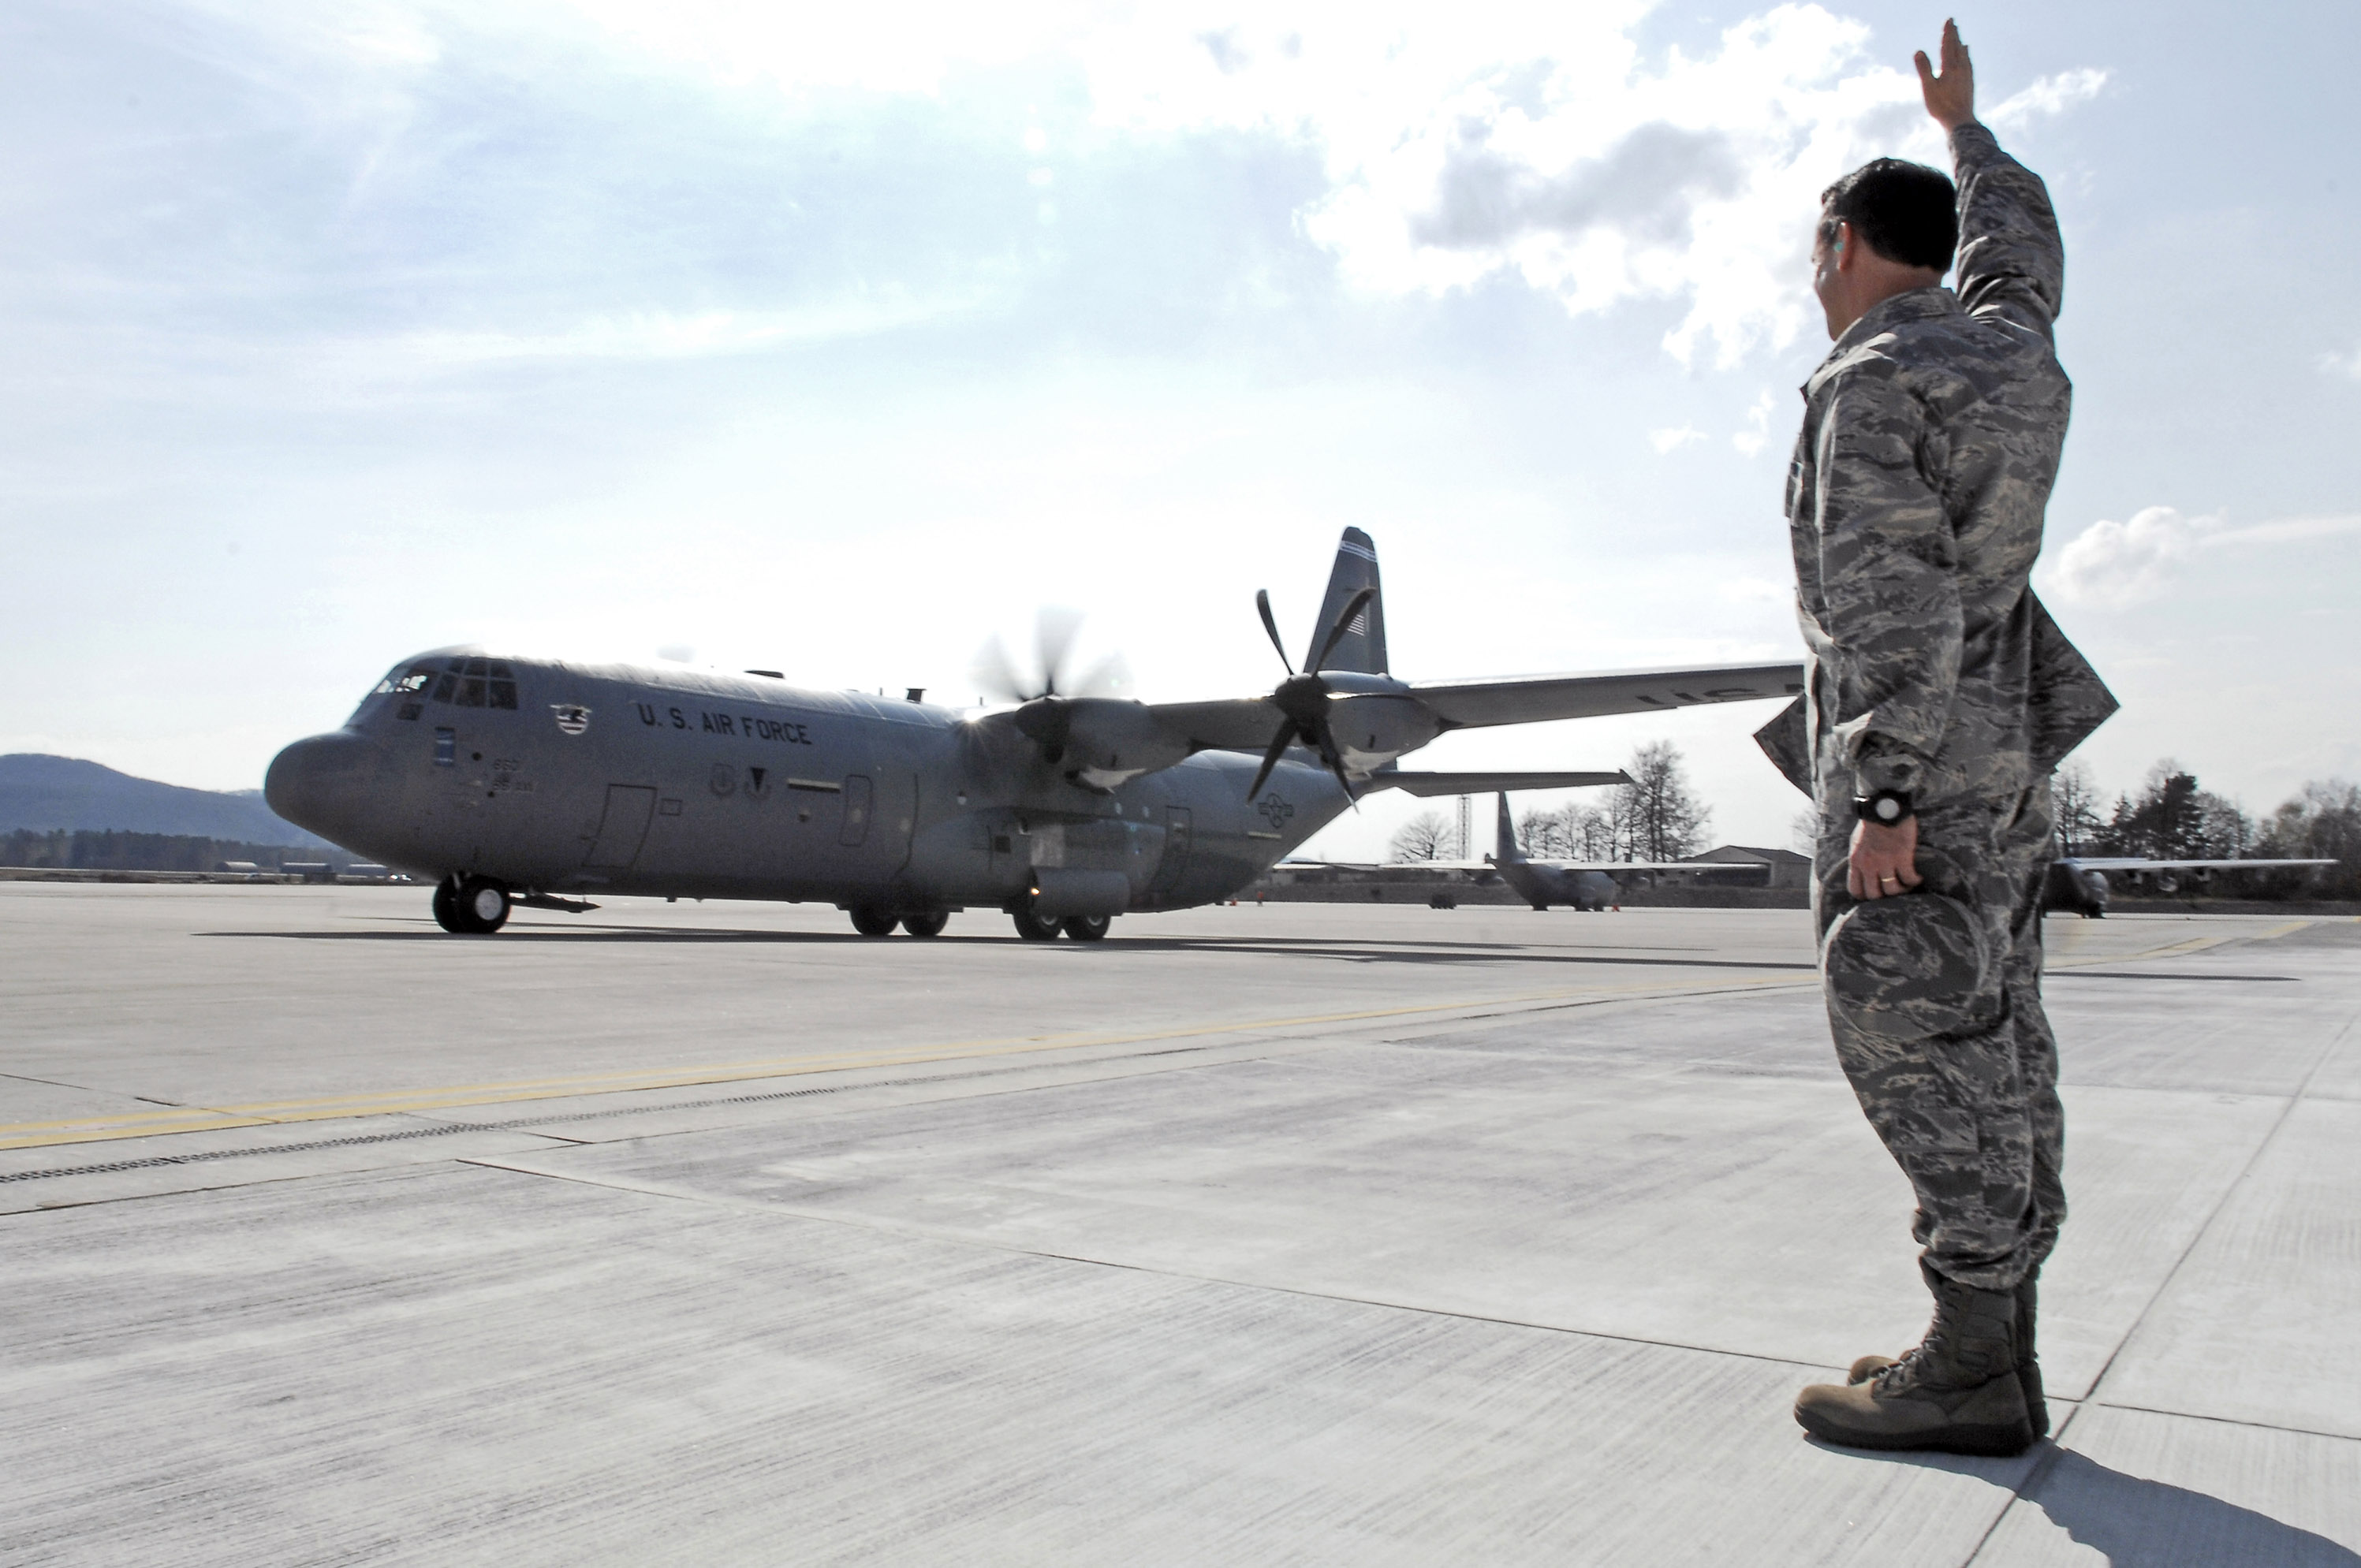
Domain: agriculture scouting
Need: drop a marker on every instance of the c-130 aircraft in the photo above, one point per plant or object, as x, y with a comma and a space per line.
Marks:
514, 781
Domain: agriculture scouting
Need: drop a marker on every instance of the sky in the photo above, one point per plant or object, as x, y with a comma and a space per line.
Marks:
795, 338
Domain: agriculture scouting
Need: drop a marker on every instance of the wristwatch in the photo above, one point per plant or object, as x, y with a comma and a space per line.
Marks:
1887, 807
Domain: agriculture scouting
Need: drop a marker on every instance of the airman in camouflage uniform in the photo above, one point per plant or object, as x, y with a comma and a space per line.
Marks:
1938, 684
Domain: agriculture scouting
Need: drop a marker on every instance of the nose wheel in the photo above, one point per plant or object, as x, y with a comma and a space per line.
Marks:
471, 906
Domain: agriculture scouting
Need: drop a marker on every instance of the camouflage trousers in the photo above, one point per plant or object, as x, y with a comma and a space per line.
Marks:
1935, 1001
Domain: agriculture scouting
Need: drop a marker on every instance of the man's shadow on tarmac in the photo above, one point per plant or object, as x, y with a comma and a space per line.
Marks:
2148, 1524
2137, 1523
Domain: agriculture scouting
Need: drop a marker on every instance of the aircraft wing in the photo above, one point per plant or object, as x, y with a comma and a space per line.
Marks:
2128, 863
1611, 867
1237, 724
1485, 866
1528, 699
1367, 866
1486, 784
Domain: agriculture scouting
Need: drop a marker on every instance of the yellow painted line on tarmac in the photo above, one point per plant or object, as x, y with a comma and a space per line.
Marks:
272, 1113
2175, 949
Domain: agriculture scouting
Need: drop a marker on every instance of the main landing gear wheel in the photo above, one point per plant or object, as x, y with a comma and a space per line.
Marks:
874, 921
473, 906
1034, 927
1088, 928
931, 924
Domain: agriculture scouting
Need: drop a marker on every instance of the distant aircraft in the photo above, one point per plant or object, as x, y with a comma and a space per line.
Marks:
2079, 884
1585, 884
1063, 810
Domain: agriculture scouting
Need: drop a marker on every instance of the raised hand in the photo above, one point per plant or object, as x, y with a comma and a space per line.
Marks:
1950, 97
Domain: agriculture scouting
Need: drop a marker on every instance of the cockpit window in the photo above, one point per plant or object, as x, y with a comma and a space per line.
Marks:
408, 682
476, 683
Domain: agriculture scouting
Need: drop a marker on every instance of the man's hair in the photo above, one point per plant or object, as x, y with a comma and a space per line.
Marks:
1907, 212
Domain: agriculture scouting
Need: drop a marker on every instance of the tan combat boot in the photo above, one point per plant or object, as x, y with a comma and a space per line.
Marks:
1957, 1392
2028, 1369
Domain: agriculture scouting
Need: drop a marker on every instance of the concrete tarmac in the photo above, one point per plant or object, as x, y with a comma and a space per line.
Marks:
1298, 1235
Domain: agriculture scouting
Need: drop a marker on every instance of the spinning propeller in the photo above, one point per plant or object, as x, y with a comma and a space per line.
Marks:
1304, 699
1045, 715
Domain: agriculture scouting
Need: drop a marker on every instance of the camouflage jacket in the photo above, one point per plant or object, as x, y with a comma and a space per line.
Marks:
1931, 437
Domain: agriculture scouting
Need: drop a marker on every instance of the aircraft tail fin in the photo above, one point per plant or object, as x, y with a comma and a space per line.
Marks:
1507, 848
1361, 649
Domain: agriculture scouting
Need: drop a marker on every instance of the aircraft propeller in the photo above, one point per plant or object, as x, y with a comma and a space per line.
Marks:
1303, 696
1046, 714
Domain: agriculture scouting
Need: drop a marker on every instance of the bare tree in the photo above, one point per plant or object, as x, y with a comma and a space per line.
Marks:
1590, 831
1804, 832
2322, 820
2074, 800
1547, 833
1659, 819
1429, 836
1537, 831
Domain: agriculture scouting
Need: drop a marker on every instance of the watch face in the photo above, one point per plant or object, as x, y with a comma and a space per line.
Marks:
1888, 809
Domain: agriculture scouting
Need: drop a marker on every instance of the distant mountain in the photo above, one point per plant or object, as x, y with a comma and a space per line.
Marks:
50, 793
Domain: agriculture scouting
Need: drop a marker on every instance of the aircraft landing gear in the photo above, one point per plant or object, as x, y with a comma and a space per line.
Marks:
471, 906
1034, 927
876, 922
1088, 928
931, 924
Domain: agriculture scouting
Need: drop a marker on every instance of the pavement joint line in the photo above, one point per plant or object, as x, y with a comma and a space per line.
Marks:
128, 1125
138, 1124
954, 1238
2227, 1421
527, 1124
2254, 1157
2027, 1483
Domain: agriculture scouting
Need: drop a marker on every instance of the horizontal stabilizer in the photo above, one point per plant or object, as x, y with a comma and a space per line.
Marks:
2102, 863
1532, 699
1487, 784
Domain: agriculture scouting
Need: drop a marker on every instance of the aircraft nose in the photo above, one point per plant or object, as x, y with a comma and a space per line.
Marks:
319, 781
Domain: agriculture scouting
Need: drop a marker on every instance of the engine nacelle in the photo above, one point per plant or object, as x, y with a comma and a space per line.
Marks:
1372, 730
1112, 740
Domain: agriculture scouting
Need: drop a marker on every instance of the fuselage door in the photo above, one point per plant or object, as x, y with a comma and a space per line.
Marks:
1175, 864
860, 805
623, 827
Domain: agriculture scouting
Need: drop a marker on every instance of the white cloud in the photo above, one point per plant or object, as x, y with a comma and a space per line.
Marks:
1757, 431
2120, 563
1668, 441
1458, 144
2342, 364
2049, 95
